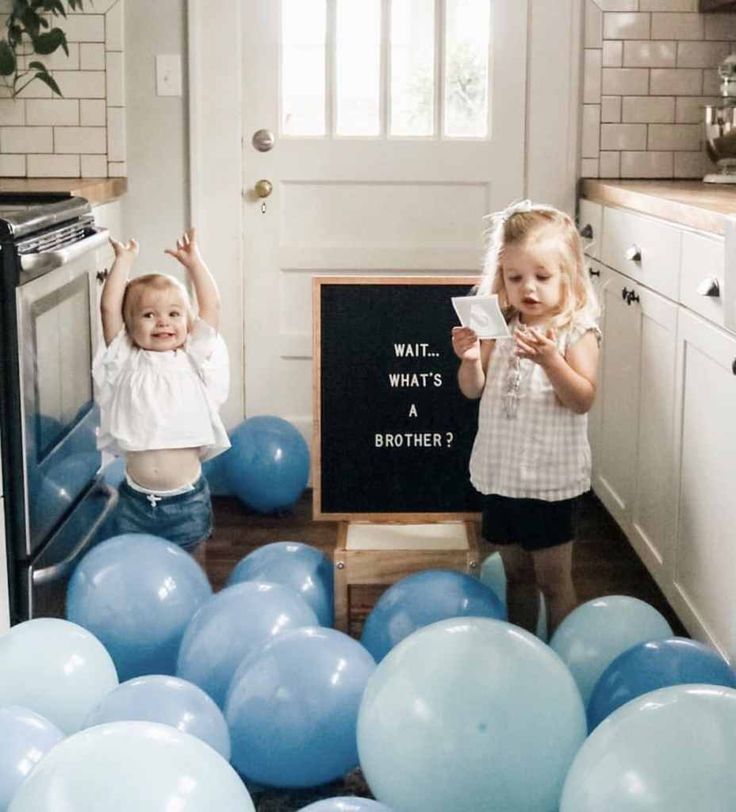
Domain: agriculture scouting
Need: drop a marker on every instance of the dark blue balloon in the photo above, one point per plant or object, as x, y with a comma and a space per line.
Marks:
268, 464
652, 665
423, 598
292, 708
216, 474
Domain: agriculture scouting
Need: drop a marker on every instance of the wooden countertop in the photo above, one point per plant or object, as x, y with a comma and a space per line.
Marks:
691, 203
96, 190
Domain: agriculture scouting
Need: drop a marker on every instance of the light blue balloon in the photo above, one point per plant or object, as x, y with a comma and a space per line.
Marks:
268, 464
126, 766
670, 749
231, 625
423, 598
169, 701
493, 575
470, 713
216, 474
292, 708
594, 634
55, 668
302, 568
25, 738
137, 593
652, 665
114, 472
346, 804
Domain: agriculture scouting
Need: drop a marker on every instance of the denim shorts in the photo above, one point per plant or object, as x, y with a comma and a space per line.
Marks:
184, 518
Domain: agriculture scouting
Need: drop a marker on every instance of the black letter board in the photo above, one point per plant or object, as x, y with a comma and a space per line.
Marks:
392, 431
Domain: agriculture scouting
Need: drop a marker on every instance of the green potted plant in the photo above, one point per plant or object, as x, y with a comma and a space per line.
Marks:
30, 31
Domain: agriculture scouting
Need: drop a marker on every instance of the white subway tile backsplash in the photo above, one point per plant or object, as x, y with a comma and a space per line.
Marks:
80, 139
114, 28
720, 26
94, 166
668, 5
613, 53
117, 170
611, 109
12, 112
609, 164
681, 137
36, 89
624, 81
589, 168
646, 165
26, 139
116, 134
701, 54
677, 26
676, 82
115, 79
711, 83
85, 28
53, 166
592, 76
693, 165
593, 25
12, 166
650, 54
92, 56
623, 136
52, 111
626, 26
691, 110
618, 5
92, 112
591, 131
82, 84
60, 61
646, 109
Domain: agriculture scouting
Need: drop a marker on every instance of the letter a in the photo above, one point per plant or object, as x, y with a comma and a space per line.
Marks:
413, 411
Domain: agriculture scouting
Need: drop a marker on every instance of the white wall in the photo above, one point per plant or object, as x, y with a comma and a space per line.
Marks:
155, 210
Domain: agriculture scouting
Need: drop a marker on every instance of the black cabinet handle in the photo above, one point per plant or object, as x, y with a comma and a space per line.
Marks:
102, 275
625, 294
587, 232
629, 296
733, 366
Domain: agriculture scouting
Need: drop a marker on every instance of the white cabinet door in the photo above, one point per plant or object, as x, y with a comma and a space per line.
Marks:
653, 503
704, 577
618, 396
596, 271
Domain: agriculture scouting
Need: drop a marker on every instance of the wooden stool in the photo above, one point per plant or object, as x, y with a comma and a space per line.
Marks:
383, 553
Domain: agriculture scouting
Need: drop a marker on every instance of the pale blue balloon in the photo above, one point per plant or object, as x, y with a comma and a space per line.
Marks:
126, 766
301, 567
470, 713
170, 701
292, 708
670, 749
114, 472
346, 803
422, 598
231, 625
55, 668
25, 738
591, 637
137, 593
493, 575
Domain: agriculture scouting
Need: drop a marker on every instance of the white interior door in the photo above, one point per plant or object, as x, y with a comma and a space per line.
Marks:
397, 125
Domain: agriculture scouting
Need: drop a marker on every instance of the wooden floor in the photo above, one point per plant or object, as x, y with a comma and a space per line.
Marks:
604, 562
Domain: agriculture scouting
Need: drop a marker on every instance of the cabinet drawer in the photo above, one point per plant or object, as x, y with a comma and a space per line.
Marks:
701, 271
590, 222
646, 250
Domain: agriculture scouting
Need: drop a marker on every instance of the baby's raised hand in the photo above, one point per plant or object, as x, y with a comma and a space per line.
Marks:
187, 250
465, 343
128, 250
535, 345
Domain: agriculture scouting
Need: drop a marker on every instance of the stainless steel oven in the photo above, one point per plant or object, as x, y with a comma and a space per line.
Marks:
53, 259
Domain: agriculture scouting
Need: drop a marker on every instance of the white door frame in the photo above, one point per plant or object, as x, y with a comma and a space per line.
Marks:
216, 141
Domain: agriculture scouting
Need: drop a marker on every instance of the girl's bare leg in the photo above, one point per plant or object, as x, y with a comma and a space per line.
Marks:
521, 586
553, 570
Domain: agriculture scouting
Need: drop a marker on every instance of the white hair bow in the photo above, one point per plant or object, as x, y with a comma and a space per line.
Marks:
503, 215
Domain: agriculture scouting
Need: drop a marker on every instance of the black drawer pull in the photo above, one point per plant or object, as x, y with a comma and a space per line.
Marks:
587, 232
593, 273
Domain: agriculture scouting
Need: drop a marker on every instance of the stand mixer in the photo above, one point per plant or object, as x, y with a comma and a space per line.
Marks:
720, 126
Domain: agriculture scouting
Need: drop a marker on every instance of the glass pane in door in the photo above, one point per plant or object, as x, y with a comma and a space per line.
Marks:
412, 67
303, 26
358, 67
467, 46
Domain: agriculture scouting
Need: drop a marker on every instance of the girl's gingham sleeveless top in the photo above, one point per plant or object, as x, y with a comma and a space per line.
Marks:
528, 444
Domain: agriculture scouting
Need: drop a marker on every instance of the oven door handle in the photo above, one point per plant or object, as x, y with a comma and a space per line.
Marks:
46, 261
61, 568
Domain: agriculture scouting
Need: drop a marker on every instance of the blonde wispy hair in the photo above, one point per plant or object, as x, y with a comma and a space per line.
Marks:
153, 281
524, 222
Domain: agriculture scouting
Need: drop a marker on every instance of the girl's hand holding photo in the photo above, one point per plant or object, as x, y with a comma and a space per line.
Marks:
466, 344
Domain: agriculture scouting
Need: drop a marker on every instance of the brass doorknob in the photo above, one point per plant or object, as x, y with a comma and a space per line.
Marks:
263, 188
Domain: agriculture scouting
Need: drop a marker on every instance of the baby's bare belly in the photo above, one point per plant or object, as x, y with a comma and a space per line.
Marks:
163, 469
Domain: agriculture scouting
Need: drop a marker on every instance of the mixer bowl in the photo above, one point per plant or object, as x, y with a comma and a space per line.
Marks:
720, 136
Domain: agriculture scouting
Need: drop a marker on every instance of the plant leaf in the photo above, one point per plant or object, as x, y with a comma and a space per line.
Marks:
49, 80
7, 59
47, 43
15, 35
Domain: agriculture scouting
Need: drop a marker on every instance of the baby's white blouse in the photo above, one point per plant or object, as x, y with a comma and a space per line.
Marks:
542, 451
151, 400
